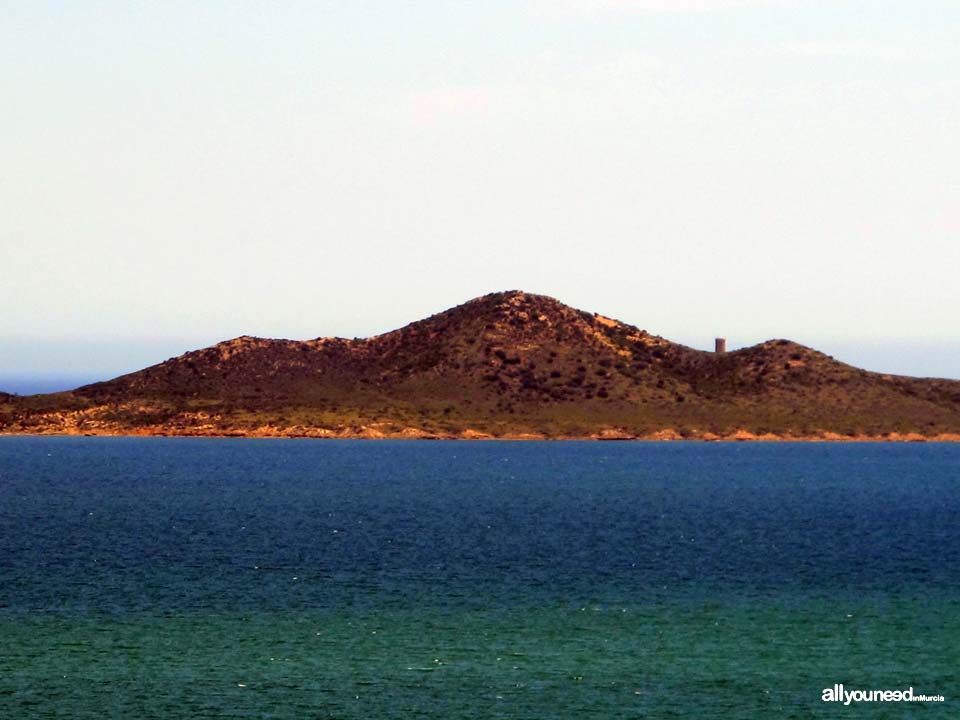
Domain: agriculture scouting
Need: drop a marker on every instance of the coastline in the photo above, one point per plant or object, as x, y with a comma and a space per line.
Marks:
410, 433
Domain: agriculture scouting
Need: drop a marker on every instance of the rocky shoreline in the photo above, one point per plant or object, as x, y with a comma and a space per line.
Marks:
373, 432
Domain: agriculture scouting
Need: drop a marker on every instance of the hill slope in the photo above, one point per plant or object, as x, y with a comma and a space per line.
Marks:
508, 365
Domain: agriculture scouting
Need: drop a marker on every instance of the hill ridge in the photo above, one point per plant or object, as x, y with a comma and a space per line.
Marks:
504, 364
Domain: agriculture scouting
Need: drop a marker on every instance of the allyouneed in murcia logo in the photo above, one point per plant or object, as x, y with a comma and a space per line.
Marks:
839, 694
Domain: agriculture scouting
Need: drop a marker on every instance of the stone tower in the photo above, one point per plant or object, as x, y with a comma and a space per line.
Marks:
720, 345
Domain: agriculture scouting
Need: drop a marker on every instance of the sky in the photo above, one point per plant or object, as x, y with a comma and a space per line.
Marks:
178, 173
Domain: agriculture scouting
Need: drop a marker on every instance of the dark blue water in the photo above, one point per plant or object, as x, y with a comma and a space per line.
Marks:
680, 556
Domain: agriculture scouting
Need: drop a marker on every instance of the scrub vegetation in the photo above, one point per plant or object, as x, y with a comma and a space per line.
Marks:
508, 364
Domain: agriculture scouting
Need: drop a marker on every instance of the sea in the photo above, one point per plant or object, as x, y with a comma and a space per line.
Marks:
263, 578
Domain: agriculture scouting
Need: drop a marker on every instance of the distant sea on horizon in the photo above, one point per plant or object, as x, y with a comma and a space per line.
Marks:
36, 385
196, 577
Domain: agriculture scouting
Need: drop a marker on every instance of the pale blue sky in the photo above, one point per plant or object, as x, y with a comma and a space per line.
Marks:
177, 173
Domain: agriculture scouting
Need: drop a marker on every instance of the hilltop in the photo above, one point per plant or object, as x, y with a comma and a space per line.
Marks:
508, 364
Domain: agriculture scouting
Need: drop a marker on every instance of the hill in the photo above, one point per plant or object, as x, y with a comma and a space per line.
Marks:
507, 364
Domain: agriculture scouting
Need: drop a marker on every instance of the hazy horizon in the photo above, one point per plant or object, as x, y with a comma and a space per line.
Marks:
177, 174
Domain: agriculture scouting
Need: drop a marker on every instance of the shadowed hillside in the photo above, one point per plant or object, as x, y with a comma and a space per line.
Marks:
506, 365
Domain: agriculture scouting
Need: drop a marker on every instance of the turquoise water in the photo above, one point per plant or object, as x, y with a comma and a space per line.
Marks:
350, 579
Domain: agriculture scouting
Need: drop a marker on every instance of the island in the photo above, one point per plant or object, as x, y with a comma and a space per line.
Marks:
509, 365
